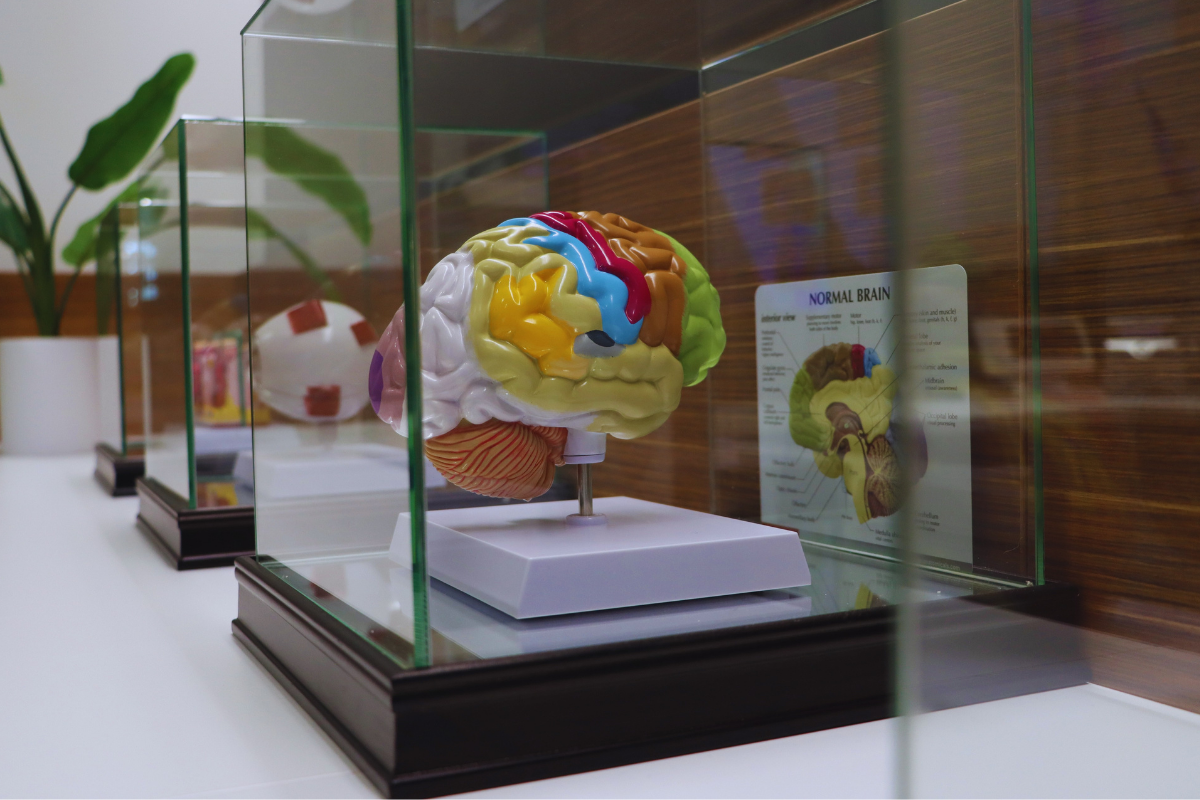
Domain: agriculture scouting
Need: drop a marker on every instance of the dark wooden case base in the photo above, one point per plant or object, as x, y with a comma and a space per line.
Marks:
478, 724
116, 473
192, 538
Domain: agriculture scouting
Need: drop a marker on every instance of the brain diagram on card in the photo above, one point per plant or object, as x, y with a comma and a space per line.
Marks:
829, 409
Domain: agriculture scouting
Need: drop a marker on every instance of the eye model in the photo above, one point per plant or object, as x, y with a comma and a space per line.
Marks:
556, 322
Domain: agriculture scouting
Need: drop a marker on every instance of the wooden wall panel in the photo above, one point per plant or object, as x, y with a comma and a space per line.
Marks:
823, 117
1118, 186
728, 28
966, 204
450, 218
16, 317
675, 32
793, 163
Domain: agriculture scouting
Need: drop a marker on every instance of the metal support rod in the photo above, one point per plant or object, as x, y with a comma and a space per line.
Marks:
585, 490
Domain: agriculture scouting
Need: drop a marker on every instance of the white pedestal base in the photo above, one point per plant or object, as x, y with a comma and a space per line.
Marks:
336, 469
525, 561
332, 470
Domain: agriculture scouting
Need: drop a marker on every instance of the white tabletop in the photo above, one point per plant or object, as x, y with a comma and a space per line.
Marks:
119, 677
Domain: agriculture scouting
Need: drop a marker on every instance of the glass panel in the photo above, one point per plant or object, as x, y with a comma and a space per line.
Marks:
119, 327
133, 405
195, 356
165, 347
1080, 370
110, 333
961, 195
763, 171
323, 212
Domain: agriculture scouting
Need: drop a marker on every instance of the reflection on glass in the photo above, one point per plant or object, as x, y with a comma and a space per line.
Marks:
755, 182
110, 334
191, 247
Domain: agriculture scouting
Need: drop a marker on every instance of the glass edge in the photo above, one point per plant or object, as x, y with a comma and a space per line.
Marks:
410, 273
1031, 226
254, 17
119, 323
186, 302
851, 24
905, 627
249, 301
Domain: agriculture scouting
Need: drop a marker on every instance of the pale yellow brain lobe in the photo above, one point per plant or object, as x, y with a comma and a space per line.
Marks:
525, 314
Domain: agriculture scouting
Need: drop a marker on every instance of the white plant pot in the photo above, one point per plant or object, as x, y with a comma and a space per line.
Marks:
48, 395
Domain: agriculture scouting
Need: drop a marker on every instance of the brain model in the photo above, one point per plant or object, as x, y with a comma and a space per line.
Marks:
841, 407
546, 324
309, 361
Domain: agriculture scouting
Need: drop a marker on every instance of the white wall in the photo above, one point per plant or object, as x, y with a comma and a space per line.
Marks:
69, 63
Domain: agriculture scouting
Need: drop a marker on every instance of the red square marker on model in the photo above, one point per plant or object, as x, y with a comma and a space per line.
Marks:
363, 332
323, 401
307, 317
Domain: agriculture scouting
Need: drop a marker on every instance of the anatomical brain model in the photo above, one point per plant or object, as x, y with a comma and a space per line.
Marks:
842, 407
545, 328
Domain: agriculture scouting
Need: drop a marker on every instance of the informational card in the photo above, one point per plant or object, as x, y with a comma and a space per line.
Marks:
830, 400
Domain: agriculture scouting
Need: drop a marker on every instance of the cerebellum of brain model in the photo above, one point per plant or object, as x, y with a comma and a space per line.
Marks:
843, 408
556, 321
309, 361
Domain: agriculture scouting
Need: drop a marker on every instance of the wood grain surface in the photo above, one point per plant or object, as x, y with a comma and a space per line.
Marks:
1119, 202
780, 179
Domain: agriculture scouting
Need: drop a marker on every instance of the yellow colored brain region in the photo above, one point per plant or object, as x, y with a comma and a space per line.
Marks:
556, 321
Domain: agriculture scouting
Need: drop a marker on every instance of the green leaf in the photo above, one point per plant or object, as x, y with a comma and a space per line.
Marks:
82, 247
108, 266
115, 146
12, 224
259, 227
315, 170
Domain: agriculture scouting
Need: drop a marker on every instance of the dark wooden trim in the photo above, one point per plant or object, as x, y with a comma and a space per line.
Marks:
117, 474
477, 724
193, 538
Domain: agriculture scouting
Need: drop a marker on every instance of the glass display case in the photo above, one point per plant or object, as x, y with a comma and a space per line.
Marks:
194, 346
1067, 176
654, 291
119, 461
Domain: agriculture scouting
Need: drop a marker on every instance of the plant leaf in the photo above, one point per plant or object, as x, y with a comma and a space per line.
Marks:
82, 247
116, 145
259, 227
315, 170
12, 224
108, 265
